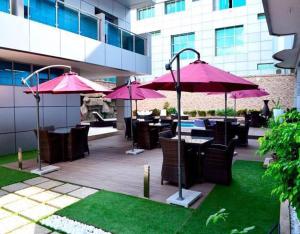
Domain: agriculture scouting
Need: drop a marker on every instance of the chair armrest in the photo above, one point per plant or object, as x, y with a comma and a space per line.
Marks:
218, 146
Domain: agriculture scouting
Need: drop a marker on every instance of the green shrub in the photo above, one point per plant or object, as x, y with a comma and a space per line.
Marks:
193, 113
166, 105
201, 113
283, 140
221, 112
211, 112
186, 112
171, 110
155, 112
241, 112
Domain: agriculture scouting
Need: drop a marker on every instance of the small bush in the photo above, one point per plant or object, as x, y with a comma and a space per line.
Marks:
171, 110
134, 112
166, 105
193, 113
211, 112
241, 112
221, 112
201, 113
186, 112
155, 112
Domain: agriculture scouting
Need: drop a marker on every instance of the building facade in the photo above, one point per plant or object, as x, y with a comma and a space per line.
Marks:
92, 36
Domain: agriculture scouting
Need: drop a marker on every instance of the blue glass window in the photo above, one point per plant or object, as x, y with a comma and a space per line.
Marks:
179, 42
229, 40
113, 35
21, 71
68, 19
42, 11
127, 41
4, 6
56, 72
261, 16
265, 66
88, 26
174, 6
226, 4
43, 76
112, 79
6, 76
139, 45
145, 13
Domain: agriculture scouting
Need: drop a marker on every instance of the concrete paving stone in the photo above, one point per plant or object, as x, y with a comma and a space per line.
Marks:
83, 192
11, 223
2, 193
49, 184
15, 187
27, 192
38, 212
37, 180
31, 228
20, 205
62, 201
45, 196
66, 188
9, 198
4, 214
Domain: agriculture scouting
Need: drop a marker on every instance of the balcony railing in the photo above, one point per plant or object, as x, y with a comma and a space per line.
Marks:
61, 15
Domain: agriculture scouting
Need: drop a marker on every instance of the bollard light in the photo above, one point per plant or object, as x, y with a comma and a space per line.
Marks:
146, 181
20, 158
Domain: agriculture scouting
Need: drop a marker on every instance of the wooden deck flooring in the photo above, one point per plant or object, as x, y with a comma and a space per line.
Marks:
109, 168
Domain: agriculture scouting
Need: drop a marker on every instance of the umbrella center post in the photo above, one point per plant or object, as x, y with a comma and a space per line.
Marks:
225, 119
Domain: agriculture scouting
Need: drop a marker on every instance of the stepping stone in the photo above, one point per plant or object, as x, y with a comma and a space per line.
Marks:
83, 192
11, 223
8, 199
20, 205
31, 228
4, 214
63, 201
65, 188
45, 196
2, 193
35, 181
27, 192
38, 212
49, 184
15, 187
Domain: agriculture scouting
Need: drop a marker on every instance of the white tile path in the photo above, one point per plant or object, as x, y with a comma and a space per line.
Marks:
23, 204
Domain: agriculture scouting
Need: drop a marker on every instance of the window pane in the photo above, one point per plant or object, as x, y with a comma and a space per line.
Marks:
20, 71
145, 13
139, 45
183, 41
174, 6
127, 40
238, 3
43, 11
265, 66
4, 6
88, 26
67, 19
261, 16
6, 77
55, 72
113, 35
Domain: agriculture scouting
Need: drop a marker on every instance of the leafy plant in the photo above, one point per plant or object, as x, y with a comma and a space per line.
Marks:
211, 112
155, 112
201, 113
166, 105
186, 112
171, 110
193, 113
276, 104
283, 139
221, 215
221, 112
241, 112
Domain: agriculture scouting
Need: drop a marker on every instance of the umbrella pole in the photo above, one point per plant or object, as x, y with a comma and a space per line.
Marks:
234, 107
178, 90
136, 107
131, 125
37, 98
225, 118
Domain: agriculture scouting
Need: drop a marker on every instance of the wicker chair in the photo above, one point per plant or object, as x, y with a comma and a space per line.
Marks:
147, 137
202, 133
242, 134
166, 134
174, 128
207, 124
169, 171
76, 143
219, 131
49, 149
86, 137
217, 163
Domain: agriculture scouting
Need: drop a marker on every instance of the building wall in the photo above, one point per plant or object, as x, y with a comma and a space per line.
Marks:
200, 18
281, 87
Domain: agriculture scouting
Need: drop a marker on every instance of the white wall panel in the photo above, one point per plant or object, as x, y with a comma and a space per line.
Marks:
6, 96
73, 100
72, 46
55, 100
23, 99
7, 143
113, 56
26, 119
128, 60
55, 116
7, 120
73, 116
26, 140
94, 51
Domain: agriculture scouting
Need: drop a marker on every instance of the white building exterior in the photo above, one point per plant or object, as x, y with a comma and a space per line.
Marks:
92, 36
249, 52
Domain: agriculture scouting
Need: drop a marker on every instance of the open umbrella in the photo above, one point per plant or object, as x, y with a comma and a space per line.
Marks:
133, 91
198, 76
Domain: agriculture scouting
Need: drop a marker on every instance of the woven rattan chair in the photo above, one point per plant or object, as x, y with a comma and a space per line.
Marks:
49, 149
86, 137
242, 134
169, 171
147, 138
76, 143
202, 133
166, 134
217, 163
219, 132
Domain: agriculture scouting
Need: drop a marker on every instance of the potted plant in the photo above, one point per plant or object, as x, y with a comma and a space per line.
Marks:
277, 110
283, 139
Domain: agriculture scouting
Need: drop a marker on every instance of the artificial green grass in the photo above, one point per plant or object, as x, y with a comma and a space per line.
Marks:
10, 176
118, 213
247, 199
9, 158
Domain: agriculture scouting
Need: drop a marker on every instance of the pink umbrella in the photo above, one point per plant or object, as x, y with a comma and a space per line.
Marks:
69, 82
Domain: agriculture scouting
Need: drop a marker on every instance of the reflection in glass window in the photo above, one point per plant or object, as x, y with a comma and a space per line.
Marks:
261, 16
56, 72
42, 11
265, 66
173, 6
226, 4
229, 40
4, 6
145, 13
139, 45
113, 35
88, 26
20, 71
43, 76
127, 41
179, 42
67, 19
6, 76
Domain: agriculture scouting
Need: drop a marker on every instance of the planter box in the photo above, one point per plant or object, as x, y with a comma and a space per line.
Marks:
289, 222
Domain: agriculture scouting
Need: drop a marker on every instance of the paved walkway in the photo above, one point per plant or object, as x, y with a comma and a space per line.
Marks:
24, 204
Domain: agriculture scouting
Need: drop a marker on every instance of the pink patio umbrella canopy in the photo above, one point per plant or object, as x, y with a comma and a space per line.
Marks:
137, 93
70, 82
252, 93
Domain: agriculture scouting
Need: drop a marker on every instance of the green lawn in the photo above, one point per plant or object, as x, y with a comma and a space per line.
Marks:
10, 176
247, 200
8, 158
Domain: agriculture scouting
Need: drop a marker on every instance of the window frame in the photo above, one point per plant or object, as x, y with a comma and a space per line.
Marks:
173, 2
138, 16
186, 42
